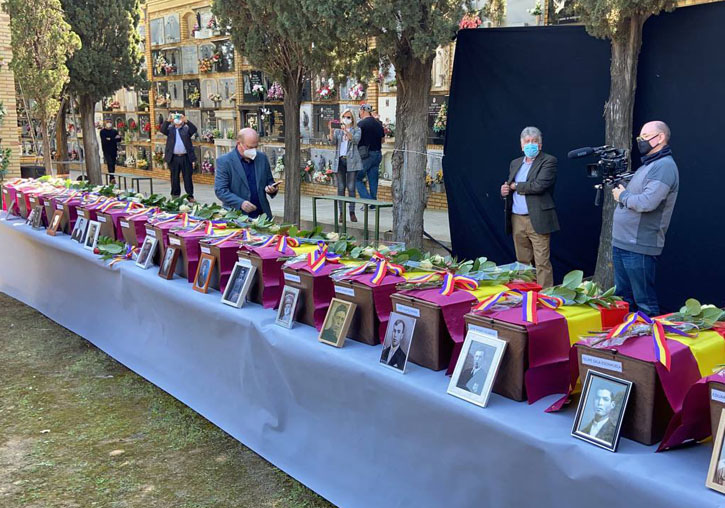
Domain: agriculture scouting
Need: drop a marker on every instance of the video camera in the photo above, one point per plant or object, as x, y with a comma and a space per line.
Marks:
612, 167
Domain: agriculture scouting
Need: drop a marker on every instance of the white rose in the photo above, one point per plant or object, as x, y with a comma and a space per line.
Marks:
274, 229
426, 264
184, 208
707, 306
369, 251
139, 196
333, 237
437, 259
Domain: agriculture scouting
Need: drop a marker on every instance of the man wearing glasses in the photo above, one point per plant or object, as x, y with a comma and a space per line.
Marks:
641, 219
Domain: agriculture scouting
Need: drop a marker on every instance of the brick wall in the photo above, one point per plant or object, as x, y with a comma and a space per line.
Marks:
9, 128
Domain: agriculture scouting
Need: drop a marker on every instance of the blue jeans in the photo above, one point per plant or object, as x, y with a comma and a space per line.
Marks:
371, 169
634, 276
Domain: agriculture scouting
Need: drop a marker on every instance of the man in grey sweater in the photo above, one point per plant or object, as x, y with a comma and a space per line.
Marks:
642, 217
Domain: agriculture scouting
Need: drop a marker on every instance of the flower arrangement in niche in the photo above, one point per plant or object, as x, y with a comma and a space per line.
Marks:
147, 127
215, 97
132, 125
326, 91
207, 165
439, 125
142, 164
357, 92
470, 20
115, 105
308, 170
206, 65
212, 24
275, 92
130, 162
279, 167
536, 10
194, 97
163, 100
207, 136
158, 157
258, 90
321, 177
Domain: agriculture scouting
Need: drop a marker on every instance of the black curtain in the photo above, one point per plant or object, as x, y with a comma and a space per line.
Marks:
681, 78
554, 78
557, 78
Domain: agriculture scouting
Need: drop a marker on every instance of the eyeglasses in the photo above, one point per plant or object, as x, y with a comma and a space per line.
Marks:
640, 138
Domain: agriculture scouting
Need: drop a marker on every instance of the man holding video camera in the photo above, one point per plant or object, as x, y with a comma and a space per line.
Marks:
642, 217
530, 210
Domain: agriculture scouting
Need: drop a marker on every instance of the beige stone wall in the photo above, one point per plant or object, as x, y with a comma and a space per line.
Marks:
9, 128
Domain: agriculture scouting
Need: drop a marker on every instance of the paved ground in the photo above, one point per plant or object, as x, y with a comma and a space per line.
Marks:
77, 429
436, 221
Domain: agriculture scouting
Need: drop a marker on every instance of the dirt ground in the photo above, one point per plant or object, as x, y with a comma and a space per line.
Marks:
78, 429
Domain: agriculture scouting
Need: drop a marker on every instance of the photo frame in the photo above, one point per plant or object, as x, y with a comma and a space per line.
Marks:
146, 253
287, 310
337, 322
240, 280
601, 408
472, 379
35, 217
167, 268
54, 223
79, 230
716, 472
94, 230
397, 341
203, 273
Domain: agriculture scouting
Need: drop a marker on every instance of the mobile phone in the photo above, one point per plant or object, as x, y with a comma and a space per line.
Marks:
336, 124
276, 184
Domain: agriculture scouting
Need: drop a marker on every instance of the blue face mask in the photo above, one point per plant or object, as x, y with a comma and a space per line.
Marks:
531, 150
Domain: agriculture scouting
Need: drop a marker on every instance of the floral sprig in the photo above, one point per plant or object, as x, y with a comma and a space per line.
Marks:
470, 20
357, 92
279, 166
207, 165
275, 92
308, 169
215, 97
194, 97
439, 125
326, 91
207, 136
206, 65
142, 164
212, 24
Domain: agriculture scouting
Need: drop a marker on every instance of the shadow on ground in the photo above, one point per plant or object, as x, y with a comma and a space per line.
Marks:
78, 429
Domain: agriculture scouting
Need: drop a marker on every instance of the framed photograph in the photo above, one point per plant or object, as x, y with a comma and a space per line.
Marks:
79, 230
601, 408
94, 229
146, 254
204, 272
37, 221
716, 472
168, 263
476, 368
54, 223
337, 322
235, 292
287, 307
398, 339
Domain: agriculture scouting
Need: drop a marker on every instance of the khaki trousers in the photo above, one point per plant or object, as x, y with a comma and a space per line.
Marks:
532, 248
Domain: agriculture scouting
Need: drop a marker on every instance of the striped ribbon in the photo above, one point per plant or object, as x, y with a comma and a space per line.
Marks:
451, 282
383, 266
144, 211
243, 233
165, 219
530, 300
280, 242
318, 258
130, 251
70, 196
660, 327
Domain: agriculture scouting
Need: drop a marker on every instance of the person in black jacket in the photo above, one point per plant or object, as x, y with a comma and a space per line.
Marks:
109, 145
179, 153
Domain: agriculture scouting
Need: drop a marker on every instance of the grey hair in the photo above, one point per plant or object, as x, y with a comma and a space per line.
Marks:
533, 132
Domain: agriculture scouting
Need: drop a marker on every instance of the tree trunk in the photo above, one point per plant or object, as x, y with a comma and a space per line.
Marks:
292, 189
618, 115
86, 105
410, 159
61, 138
47, 161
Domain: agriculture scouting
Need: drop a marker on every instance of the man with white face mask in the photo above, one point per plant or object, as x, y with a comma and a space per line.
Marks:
243, 177
180, 154
109, 145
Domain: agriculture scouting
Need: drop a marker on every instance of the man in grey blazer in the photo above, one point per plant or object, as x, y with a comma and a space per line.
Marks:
530, 210
243, 177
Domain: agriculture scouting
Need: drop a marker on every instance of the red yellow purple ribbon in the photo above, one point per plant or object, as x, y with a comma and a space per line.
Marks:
530, 300
451, 282
317, 259
243, 233
281, 242
130, 251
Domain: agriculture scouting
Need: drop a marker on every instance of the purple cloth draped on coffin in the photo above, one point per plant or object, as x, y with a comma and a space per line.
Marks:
139, 224
227, 259
382, 304
271, 273
323, 288
191, 245
72, 205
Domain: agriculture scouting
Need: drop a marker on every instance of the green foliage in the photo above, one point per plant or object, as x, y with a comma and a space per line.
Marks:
574, 289
607, 19
109, 58
42, 41
703, 316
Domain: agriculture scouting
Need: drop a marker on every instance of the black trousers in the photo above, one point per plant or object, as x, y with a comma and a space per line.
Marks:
180, 165
110, 163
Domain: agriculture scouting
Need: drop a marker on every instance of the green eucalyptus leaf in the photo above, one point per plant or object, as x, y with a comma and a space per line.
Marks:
573, 279
355, 253
693, 307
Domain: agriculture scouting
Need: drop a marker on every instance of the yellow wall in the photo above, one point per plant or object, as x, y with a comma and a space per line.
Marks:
9, 128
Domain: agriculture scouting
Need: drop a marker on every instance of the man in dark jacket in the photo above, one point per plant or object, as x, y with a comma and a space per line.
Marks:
243, 178
109, 145
530, 211
179, 153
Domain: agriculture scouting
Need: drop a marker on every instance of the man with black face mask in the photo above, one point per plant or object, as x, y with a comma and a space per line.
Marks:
642, 217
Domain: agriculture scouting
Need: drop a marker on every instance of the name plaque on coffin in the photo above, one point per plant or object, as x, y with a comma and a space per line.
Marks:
268, 281
316, 291
188, 241
23, 203
225, 257
133, 229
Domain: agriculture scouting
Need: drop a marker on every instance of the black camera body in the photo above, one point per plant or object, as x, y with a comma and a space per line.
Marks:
612, 167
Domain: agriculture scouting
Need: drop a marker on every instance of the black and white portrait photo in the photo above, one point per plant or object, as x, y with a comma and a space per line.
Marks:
398, 338
716, 472
601, 409
240, 280
146, 254
476, 368
287, 307
337, 322
94, 229
55, 222
204, 273
79, 230
168, 264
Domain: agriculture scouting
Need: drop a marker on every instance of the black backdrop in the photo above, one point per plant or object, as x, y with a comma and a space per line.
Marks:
557, 78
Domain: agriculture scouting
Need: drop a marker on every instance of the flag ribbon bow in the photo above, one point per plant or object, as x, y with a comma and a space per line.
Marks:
170, 218
130, 251
451, 282
530, 300
70, 196
318, 258
244, 233
150, 211
660, 327
114, 203
280, 242
383, 267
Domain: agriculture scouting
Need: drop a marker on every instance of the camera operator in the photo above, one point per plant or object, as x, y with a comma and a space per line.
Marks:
642, 217
530, 212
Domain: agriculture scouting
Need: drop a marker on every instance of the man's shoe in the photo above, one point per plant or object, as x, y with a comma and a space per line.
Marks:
192, 200
353, 217
341, 218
